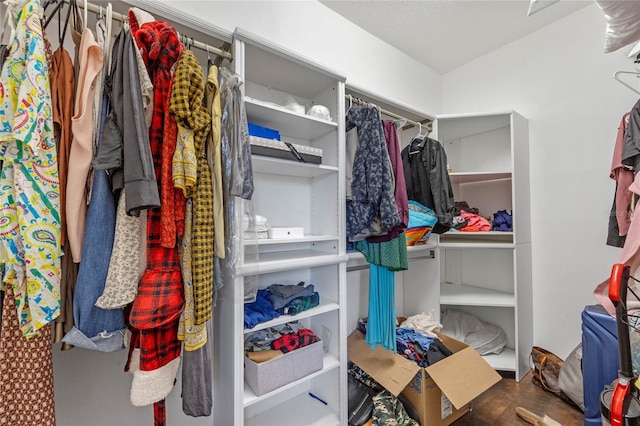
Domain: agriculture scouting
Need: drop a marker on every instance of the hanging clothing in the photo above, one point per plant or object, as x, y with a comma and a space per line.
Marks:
81, 153
31, 225
194, 335
185, 164
425, 172
372, 192
197, 380
400, 187
351, 145
187, 105
237, 169
125, 265
212, 96
154, 355
26, 372
390, 254
631, 143
381, 323
236, 132
197, 389
30, 243
3, 53
620, 217
96, 328
125, 150
63, 86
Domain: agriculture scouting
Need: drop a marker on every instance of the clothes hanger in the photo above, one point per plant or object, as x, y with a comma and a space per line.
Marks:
616, 75
209, 61
62, 35
108, 17
400, 123
53, 12
420, 135
350, 98
86, 8
418, 142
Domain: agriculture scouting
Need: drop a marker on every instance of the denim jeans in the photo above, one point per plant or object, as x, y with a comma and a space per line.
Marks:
104, 328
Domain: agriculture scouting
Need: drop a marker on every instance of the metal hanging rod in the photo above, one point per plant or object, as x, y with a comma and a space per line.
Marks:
428, 123
94, 8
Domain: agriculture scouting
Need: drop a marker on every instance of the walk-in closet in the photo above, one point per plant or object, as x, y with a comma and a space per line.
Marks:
322, 212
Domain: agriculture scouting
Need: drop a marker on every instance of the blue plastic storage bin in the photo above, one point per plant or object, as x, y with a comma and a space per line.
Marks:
263, 132
600, 358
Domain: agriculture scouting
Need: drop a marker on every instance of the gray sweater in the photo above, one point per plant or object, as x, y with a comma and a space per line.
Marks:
125, 151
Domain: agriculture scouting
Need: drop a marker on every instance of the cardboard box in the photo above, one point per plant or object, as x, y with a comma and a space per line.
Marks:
440, 393
269, 375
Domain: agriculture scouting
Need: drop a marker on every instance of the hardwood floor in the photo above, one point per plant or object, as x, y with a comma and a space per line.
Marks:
497, 406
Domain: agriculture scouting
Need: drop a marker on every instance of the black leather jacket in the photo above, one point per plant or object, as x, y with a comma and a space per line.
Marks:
425, 172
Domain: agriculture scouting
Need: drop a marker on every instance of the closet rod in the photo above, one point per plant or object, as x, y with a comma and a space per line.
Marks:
359, 101
91, 7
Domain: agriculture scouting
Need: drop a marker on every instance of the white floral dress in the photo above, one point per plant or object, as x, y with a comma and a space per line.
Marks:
29, 187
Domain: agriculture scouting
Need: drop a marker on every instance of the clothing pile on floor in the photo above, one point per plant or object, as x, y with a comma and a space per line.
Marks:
416, 341
371, 404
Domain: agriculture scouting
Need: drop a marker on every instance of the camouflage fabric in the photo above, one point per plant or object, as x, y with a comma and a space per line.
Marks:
389, 411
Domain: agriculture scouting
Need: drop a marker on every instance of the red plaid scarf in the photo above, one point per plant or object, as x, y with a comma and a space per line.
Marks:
155, 312
293, 341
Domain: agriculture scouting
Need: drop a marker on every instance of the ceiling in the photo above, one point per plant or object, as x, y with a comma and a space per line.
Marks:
445, 34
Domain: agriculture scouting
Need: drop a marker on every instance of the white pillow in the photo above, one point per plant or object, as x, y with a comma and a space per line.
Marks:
623, 23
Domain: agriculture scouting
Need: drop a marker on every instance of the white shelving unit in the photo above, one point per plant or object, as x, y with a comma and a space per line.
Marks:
488, 274
289, 194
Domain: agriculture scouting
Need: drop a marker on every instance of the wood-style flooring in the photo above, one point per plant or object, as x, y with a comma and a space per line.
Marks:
497, 406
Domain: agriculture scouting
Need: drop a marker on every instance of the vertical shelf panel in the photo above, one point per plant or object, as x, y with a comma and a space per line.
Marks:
290, 194
488, 155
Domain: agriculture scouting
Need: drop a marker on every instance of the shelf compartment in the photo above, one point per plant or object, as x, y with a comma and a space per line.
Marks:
286, 260
472, 177
290, 412
324, 307
477, 245
505, 361
277, 166
287, 122
483, 237
306, 239
329, 362
466, 295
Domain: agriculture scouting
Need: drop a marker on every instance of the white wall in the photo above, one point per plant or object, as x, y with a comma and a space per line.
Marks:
313, 30
559, 79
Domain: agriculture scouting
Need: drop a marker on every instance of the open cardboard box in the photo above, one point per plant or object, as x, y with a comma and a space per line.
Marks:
440, 393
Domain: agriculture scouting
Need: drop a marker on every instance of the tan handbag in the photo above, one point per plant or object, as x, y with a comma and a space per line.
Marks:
545, 366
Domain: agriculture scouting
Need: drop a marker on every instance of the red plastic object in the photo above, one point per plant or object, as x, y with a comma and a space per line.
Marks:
621, 391
615, 281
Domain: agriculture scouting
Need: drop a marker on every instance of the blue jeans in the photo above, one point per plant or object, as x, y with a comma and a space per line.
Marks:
96, 328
